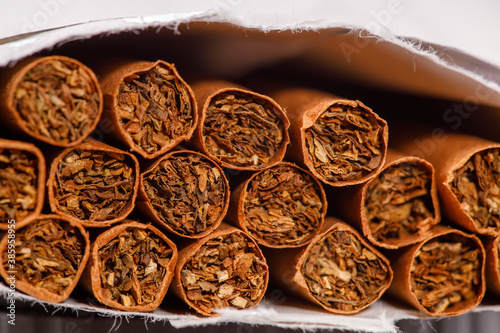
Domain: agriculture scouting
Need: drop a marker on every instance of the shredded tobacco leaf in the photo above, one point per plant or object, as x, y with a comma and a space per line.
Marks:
187, 191
283, 206
94, 185
59, 100
345, 143
242, 129
18, 184
398, 202
133, 266
226, 271
155, 108
48, 254
343, 274
446, 271
477, 186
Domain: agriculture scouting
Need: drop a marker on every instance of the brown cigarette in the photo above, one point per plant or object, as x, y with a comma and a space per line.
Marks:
441, 276
342, 142
151, 107
54, 99
338, 270
395, 208
467, 175
22, 183
280, 206
93, 184
186, 192
224, 269
492, 247
131, 266
46, 257
239, 129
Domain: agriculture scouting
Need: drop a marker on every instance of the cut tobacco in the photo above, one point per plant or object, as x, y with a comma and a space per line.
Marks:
443, 275
344, 274
445, 272
54, 99
186, 192
476, 186
281, 206
224, 269
342, 142
400, 203
22, 182
151, 105
239, 128
94, 184
338, 270
131, 267
49, 256
467, 175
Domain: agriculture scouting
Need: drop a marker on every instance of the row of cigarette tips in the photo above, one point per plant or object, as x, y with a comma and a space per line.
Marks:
232, 188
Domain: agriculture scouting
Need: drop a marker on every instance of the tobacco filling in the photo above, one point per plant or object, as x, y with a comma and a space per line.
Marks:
48, 254
345, 143
242, 129
18, 184
283, 206
133, 266
59, 100
398, 202
476, 186
154, 108
446, 271
187, 192
94, 185
343, 274
225, 272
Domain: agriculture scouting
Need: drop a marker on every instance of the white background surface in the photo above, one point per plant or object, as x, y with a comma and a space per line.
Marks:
467, 25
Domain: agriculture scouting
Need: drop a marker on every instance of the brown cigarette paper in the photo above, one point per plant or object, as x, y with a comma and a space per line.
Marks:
467, 175
338, 270
54, 99
224, 269
280, 206
46, 257
492, 247
441, 276
395, 208
239, 129
342, 142
151, 107
186, 192
131, 267
22, 183
93, 184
